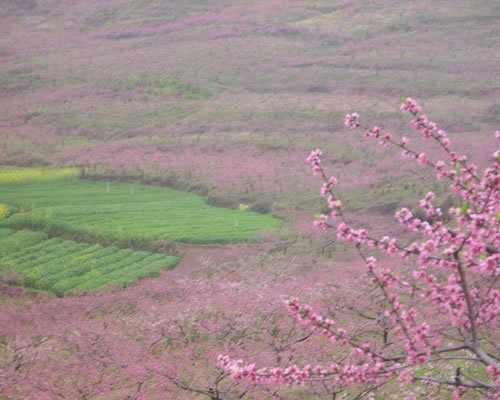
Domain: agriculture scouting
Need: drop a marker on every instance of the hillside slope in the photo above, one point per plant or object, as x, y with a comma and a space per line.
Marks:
233, 94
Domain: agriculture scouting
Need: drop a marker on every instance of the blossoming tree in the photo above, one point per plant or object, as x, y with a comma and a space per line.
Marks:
434, 324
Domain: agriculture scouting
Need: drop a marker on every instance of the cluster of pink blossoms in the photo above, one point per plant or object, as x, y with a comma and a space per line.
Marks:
427, 128
315, 161
351, 120
347, 374
410, 105
457, 272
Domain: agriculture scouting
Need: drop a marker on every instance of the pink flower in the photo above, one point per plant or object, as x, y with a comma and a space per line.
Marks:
315, 161
332, 180
321, 223
422, 159
351, 120
410, 105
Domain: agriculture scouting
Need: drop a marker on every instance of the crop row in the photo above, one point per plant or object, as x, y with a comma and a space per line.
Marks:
66, 267
4, 232
11, 241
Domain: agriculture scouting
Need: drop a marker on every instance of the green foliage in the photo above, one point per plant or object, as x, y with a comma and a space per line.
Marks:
4, 211
11, 241
66, 267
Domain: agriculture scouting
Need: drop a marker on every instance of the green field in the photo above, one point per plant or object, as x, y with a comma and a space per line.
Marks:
126, 213
66, 267
57, 201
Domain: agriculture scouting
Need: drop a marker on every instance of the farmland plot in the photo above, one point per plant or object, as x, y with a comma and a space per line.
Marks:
124, 213
66, 267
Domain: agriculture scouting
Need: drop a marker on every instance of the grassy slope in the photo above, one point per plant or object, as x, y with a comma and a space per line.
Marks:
238, 92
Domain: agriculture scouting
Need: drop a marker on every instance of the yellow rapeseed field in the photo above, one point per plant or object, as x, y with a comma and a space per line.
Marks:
11, 175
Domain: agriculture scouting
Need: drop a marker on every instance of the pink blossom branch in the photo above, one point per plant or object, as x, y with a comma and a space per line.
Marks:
470, 304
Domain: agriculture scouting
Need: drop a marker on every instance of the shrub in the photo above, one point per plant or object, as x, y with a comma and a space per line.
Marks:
220, 200
4, 211
262, 206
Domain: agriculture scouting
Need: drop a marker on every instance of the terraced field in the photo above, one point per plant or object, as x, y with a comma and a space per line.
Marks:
126, 213
65, 267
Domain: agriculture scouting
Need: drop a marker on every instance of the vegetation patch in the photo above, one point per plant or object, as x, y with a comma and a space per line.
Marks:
66, 267
12, 241
125, 213
4, 211
35, 175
